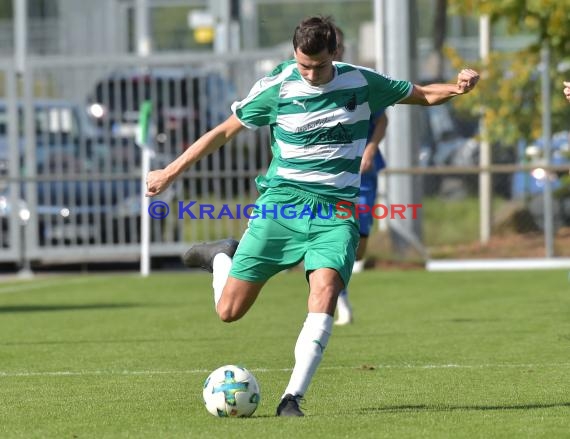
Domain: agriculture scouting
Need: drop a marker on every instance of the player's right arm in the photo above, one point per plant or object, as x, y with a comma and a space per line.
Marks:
157, 181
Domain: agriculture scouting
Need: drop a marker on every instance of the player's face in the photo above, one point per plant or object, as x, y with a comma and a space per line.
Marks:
315, 69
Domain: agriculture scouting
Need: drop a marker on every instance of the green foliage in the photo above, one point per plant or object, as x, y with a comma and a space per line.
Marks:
6, 12
173, 32
279, 19
509, 94
450, 222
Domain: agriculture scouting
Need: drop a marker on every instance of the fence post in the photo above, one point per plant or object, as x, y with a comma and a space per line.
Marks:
485, 177
547, 136
142, 142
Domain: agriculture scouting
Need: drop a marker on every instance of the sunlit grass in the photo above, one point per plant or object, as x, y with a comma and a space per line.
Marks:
431, 355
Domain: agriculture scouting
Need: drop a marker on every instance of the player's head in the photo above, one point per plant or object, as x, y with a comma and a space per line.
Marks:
315, 34
339, 44
314, 43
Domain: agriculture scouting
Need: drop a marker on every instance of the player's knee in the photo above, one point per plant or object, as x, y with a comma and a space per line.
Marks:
329, 291
225, 315
228, 314
324, 299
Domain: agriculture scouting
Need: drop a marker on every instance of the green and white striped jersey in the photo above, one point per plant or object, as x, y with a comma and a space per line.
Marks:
318, 133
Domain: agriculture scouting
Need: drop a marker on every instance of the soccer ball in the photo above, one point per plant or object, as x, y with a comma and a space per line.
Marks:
231, 391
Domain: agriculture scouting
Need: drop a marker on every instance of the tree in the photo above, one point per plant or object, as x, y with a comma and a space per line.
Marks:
439, 34
510, 90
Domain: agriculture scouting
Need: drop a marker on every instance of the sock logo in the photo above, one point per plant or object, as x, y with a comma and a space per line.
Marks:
318, 343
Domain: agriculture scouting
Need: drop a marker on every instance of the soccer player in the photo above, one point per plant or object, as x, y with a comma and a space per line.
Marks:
318, 113
372, 163
567, 90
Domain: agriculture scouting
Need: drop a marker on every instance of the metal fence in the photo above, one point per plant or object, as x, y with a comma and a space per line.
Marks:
70, 181
451, 214
70, 169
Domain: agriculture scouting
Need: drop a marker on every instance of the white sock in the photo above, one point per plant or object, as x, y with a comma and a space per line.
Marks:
221, 266
309, 350
358, 266
342, 304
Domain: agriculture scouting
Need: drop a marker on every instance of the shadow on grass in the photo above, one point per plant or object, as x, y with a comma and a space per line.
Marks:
107, 341
443, 408
467, 320
7, 309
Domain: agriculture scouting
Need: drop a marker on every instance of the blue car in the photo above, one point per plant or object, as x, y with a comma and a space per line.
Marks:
186, 103
529, 184
528, 187
86, 190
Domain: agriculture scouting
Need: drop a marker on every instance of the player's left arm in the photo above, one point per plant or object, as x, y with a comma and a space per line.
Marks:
435, 94
378, 133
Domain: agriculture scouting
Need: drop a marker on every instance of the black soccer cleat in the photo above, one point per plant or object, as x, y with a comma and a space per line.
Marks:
202, 255
289, 406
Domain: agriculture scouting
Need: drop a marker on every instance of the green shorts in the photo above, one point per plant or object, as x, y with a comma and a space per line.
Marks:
288, 226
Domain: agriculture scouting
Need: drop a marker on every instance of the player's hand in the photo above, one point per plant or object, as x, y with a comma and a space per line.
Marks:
567, 90
156, 182
467, 80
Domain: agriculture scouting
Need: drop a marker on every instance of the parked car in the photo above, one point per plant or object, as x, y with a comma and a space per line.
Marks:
185, 103
529, 186
84, 186
449, 140
442, 143
531, 183
23, 214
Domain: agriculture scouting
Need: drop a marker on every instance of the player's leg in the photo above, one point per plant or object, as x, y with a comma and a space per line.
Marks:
240, 269
328, 261
237, 298
232, 297
325, 284
344, 309
362, 245
368, 189
343, 305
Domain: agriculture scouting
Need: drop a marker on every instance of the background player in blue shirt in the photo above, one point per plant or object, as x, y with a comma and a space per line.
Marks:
372, 163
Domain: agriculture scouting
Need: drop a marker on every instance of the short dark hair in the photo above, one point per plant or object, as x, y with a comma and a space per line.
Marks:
314, 34
339, 37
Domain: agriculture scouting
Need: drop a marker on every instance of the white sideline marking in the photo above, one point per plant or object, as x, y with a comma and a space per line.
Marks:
497, 264
61, 373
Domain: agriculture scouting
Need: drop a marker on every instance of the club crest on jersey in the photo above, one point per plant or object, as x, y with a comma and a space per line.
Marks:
351, 104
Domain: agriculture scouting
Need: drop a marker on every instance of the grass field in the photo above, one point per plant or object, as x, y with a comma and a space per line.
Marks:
431, 355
